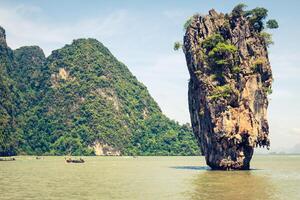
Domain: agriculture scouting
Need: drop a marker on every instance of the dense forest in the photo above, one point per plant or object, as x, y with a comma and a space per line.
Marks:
79, 95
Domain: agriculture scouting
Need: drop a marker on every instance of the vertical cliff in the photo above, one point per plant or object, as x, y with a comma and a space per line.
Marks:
230, 78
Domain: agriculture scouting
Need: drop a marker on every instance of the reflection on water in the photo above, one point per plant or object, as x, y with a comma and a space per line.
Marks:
273, 178
192, 167
232, 185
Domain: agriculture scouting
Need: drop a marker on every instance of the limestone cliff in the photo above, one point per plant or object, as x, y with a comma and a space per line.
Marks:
230, 78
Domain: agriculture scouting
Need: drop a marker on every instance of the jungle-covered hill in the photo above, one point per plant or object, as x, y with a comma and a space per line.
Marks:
79, 97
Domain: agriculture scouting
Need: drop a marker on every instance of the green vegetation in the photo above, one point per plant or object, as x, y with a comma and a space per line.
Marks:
272, 24
211, 41
8, 95
160, 136
78, 95
201, 112
9, 101
266, 37
222, 54
259, 61
258, 64
269, 90
177, 46
219, 53
236, 69
187, 23
255, 16
221, 92
238, 10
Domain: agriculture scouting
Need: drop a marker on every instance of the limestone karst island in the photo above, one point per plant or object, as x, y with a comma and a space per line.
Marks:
230, 80
149, 100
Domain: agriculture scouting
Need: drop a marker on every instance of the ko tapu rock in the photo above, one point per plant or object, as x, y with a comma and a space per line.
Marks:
230, 79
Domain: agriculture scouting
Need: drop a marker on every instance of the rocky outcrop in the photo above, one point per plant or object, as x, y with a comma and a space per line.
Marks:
230, 78
103, 149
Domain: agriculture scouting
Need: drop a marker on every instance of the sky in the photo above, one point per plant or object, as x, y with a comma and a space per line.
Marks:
141, 34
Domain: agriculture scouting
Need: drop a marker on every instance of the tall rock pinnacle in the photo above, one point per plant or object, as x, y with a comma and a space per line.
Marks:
230, 78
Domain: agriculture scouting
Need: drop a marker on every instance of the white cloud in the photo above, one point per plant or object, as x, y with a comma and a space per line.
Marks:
23, 29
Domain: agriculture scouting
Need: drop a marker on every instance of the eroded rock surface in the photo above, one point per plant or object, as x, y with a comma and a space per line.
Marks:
230, 78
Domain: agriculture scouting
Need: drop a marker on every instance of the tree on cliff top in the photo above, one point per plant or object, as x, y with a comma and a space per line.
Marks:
272, 24
255, 16
238, 10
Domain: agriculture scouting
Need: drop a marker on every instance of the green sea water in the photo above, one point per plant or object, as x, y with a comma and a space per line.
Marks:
272, 177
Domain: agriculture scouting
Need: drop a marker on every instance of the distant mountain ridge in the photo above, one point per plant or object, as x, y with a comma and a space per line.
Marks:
81, 101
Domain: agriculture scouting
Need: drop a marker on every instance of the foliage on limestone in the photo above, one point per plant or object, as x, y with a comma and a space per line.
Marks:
177, 46
258, 64
219, 52
221, 92
269, 90
187, 23
256, 17
211, 41
272, 24
238, 10
266, 37
222, 54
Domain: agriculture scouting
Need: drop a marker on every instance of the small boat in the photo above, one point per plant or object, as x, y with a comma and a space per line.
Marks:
7, 159
70, 160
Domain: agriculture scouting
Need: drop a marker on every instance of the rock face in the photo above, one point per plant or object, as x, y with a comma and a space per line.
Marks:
230, 78
102, 149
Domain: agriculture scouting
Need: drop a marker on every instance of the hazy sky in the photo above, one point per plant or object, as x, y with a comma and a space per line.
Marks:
141, 35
